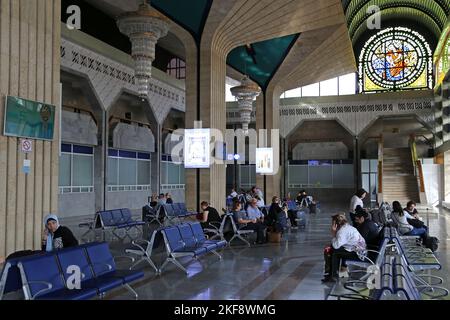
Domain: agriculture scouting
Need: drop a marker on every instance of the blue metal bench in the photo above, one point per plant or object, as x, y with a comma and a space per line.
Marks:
42, 280
170, 213
417, 257
238, 232
184, 210
174, 212
201, 239
118, 219
181, 241
407, 286
46, 276
150, 215
10, 280
104, 266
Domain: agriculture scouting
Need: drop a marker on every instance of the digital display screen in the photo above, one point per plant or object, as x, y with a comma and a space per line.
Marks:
197, 152
28, 119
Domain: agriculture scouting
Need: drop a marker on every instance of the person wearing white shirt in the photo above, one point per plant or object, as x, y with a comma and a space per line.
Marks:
259, 202
346, 242
411, 211
357, 200
233, 194
404, 227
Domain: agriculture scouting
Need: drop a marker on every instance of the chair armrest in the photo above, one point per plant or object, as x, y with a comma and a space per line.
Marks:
215, 231
441, 280
445, 294
104, 265
136, 244
215, 224
125, 257
48, 284
86, 224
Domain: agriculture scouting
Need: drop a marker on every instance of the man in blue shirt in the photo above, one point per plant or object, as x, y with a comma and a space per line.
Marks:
245, 223
253, 211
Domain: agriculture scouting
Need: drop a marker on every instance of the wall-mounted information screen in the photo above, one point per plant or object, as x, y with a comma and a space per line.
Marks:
197, 151
29, 119
264, 161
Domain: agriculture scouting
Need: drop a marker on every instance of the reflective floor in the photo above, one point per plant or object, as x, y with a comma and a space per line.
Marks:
289, 270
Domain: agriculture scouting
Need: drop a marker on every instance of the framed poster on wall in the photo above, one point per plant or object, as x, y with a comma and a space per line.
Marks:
197, 151
28, 119
264, 161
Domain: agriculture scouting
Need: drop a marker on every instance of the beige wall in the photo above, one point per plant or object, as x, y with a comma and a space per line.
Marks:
29, 68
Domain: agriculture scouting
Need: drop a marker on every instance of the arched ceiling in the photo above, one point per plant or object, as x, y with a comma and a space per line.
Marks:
428, 16
272, 41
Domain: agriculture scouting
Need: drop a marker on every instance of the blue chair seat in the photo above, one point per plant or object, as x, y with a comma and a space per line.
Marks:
196, 250
124, 225
64, 294
218, 243
209, 246
103, 284
128, 276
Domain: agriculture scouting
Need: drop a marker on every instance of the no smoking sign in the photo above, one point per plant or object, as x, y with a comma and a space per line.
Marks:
26, 145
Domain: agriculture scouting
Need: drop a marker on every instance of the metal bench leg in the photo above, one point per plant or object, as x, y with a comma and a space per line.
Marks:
239, 237
164, 265
137, 263
245, 240
131, 290
179, 265
86, 233
175, 262
231, 240
217, 254
152, 264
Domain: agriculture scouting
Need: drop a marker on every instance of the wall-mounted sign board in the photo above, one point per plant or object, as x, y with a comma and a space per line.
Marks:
28, 119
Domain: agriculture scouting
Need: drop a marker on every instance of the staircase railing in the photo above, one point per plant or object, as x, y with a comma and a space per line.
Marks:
418, 170
380, 166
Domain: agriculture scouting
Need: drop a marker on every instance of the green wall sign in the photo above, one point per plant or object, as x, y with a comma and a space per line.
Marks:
29, 119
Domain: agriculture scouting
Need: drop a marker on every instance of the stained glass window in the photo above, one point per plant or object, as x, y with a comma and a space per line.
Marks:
395, 59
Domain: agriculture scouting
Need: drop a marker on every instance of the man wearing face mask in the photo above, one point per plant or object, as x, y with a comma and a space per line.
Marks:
55, 236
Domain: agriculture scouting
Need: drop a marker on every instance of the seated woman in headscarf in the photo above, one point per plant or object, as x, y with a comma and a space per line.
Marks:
55, 236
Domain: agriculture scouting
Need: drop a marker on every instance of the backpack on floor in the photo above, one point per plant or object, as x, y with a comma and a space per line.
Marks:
378, 217
301, 218
431, 243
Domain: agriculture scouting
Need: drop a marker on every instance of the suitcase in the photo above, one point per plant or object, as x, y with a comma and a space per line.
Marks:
301, 218
274, 237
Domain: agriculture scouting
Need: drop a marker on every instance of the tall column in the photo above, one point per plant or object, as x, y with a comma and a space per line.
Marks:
100, 160
209, 88
268, 126
30, 36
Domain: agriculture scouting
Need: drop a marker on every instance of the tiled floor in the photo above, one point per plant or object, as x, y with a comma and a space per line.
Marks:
289, 270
